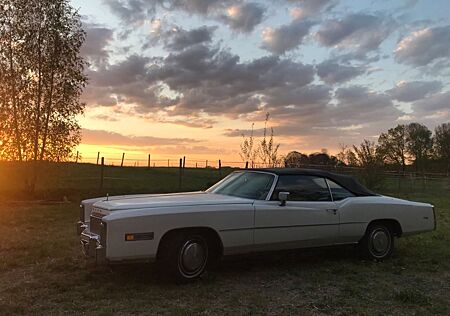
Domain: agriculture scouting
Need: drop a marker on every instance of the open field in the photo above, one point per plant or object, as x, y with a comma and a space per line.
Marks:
77, 181
43, 272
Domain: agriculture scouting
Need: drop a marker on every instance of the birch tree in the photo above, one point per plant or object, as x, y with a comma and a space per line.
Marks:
41, 79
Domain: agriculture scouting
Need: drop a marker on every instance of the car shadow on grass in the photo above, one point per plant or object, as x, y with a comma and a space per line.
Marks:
238, 265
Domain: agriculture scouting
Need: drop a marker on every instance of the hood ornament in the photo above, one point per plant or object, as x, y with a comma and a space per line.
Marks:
107, 196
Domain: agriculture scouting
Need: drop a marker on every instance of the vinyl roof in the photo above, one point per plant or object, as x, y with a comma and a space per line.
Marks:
346, 181
294, 171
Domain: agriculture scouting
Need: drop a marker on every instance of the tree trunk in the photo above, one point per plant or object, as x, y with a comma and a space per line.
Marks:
14, 98
47, 118
38, 101
38, 117
50, 99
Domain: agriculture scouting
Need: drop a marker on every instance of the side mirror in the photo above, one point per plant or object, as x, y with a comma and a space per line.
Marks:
283, 197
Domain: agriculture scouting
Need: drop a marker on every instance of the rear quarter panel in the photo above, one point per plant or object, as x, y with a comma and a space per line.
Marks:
358, 212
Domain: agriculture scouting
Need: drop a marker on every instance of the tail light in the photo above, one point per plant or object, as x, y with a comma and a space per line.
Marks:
434, 216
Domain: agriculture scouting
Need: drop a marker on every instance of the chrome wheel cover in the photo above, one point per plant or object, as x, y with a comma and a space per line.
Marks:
380, 242
192, 258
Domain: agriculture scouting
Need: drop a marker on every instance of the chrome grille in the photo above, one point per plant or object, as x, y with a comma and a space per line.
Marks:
96, 225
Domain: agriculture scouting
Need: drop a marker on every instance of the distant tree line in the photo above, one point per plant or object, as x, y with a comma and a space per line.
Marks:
407, 146
41, 79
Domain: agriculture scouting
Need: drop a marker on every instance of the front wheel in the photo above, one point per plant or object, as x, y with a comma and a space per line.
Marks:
378, 242
183, 256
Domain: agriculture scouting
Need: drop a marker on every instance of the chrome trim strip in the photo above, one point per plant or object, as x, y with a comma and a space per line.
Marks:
275, 181
288, 226
329, 189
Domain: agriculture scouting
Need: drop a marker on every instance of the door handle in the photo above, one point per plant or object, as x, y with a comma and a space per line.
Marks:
332, 210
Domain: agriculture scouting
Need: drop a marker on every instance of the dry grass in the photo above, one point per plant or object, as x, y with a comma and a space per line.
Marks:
42, 272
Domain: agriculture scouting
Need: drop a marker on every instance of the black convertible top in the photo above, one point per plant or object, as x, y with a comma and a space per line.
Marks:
348, 182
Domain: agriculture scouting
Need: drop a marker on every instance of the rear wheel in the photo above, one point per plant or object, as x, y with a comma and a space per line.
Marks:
183, 256
378, 242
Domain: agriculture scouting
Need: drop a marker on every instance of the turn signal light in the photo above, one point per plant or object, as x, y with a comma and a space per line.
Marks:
129, 237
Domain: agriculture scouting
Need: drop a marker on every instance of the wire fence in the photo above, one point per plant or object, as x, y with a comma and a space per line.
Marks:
395, 180
127, 174
137, 160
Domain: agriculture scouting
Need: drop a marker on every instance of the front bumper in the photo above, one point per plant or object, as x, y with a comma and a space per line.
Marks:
81, 226
91, 247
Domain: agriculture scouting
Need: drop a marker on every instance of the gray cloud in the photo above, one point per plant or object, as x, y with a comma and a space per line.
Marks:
414, 90
131, 69
105, 117
310, 8
200, 79
357, 104
131, 11
98, 96
354, 113
244, 17
355, 109
178, 39
286, 37
332, 72
297, 98
195, 6
215, 81
125, 82
94, 49
102, 137
424, 46
239, 16
438, 102
359, 31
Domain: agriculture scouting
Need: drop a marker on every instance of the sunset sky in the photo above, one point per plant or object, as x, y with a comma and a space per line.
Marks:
189, 77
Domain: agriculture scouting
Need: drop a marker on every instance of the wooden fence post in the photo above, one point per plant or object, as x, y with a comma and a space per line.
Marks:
181, 173
102, 172
98, 156
206, 164
149, 161
246, 165
220, 167
76, 159
184, 162
123, 156
168, 163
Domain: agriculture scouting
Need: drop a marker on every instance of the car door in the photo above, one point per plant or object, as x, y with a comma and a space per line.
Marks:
309, 218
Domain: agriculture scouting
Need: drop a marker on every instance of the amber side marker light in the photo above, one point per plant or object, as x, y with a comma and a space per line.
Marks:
139, 236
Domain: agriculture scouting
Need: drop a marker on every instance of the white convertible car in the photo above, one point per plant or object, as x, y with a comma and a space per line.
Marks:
248, 211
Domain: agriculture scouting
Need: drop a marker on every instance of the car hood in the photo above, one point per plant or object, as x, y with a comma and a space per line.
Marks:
166, 200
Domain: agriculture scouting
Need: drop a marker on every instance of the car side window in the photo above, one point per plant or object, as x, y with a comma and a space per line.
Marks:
250, 185
302, 188
338, 192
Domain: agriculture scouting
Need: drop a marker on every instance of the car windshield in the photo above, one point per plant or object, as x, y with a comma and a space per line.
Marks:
250, 185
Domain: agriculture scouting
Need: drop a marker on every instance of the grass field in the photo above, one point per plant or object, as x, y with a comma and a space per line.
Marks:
43, 272
77, 181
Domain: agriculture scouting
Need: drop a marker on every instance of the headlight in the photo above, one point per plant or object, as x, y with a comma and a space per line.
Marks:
82, 216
